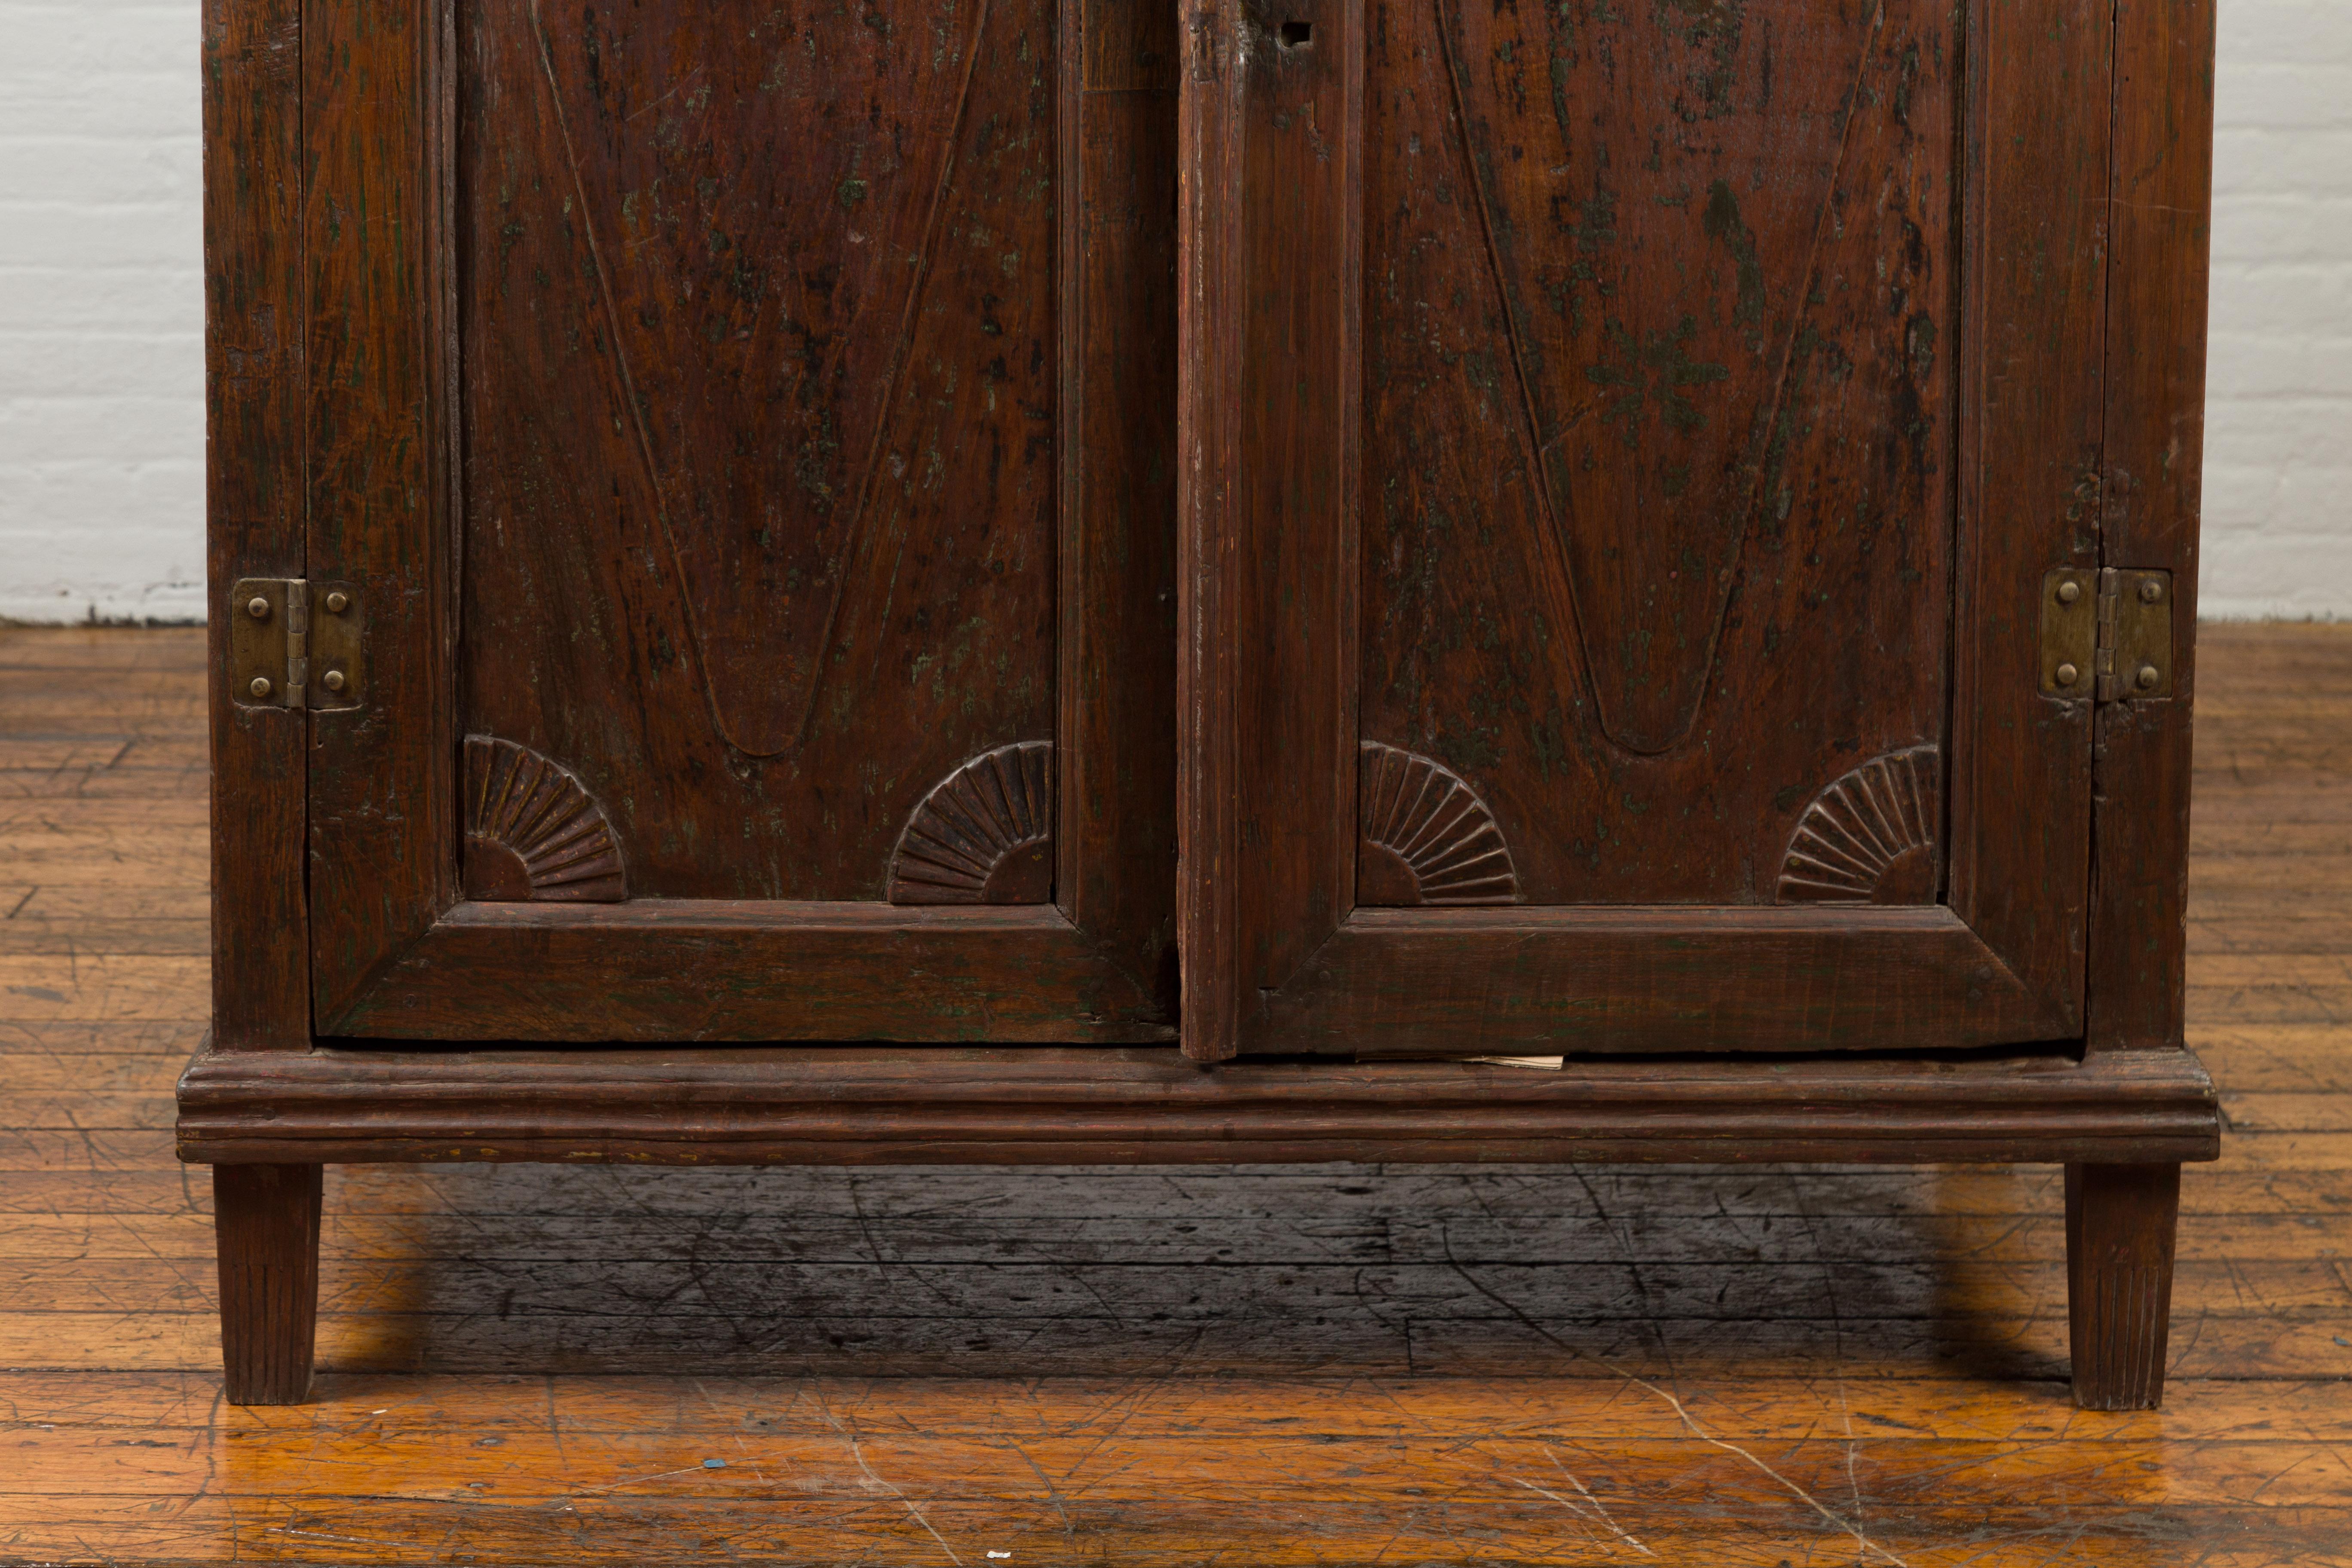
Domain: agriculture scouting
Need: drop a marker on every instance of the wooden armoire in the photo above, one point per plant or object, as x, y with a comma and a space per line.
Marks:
1074, 580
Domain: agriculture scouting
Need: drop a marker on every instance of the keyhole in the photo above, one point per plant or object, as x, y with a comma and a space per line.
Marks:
1297, 35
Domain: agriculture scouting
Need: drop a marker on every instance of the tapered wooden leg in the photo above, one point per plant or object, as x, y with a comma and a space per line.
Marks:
2120, 1222
266, 1221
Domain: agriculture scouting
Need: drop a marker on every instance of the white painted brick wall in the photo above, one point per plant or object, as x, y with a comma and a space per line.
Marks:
101, 364
102, 310
2278, 453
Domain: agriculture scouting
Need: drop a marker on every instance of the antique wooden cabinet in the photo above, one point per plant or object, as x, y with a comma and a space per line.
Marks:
1119, 580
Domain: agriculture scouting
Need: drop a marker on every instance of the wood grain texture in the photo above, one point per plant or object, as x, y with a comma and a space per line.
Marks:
1623, 980
1661, 329
383, 779
267, 1222
769, 503
882, 1106
1250, 1334
2152, 499
255, 499
1115, 871
762, 416
1211, 315
2032, 405
1678, 415
2121, 1224
720, 969
1268, 405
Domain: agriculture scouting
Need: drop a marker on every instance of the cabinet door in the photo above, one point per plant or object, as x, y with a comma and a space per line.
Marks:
747, 430
1624, 450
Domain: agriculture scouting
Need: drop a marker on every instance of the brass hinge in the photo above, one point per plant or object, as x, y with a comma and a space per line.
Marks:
2107, 634
295, 644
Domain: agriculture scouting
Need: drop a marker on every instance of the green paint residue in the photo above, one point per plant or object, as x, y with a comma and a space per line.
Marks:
1658, 372
1723, 223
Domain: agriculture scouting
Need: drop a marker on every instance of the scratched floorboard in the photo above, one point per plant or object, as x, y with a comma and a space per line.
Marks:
1330, 1366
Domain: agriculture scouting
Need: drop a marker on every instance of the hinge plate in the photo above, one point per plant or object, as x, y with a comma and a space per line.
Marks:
296, 643
2135, 634
2070, 631
2106, 634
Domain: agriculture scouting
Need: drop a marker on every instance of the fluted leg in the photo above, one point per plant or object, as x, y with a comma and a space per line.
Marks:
266, 1220
2120, 1222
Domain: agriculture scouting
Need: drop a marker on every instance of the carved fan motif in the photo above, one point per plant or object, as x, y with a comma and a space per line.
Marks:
984, 834
1870, 838
534, 833
1427, 839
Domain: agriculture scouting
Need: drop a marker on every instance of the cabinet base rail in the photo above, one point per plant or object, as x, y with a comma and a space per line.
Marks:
2121, 1122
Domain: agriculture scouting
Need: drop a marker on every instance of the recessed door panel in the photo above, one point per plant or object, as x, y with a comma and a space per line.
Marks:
747, 425
1705, 392
1657, 542
757, 317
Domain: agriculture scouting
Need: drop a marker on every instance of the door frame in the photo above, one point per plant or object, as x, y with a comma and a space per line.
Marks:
373, 499
1277, 955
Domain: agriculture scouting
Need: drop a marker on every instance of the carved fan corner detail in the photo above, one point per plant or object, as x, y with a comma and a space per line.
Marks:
534, 833
1870, 836
985, 834
1426, 838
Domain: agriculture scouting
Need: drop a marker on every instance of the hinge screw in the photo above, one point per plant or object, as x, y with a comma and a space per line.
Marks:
260, 687
2148, 677
332, 680
2069, 592
258, 607
2067, 674
2150, 592
338, 602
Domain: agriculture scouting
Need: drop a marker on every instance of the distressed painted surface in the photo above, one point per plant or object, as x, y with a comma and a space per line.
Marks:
757, 305
1658, 505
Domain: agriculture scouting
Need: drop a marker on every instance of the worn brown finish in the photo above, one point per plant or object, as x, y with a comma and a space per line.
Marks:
876, 1106
1115, 873
2161, 200
1932, 1373
1196, 1362
1273, 122
774, 488
1209, 314
2035, 355
1719, 377
718, 969
760, 416
533, 831
1625, 981
255, 501
383, 779
265, 1219
1585, 595
2121, 1222
1659, 338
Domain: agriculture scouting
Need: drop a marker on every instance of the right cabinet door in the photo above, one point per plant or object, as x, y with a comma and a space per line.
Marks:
1627, 450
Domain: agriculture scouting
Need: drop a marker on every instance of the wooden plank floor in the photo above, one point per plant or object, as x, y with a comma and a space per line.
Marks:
1263, 1367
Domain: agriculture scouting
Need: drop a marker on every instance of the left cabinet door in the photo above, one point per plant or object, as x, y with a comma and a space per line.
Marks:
748, 430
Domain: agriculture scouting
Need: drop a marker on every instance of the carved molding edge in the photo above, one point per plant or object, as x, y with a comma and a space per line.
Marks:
534, 833
1427, 839
1870, 836
984, 834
